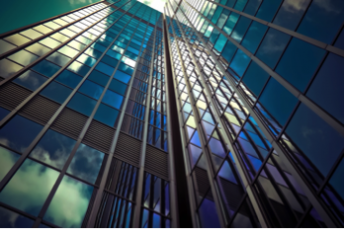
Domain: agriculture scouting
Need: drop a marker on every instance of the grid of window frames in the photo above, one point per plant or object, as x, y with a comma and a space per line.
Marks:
229, 29
85, 68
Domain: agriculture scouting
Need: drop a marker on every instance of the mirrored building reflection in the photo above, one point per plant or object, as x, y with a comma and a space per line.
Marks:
212, 113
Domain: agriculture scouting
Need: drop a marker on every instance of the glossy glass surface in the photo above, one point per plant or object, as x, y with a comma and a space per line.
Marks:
23, 57
10, 219
106, 115
123, 77
5, 46
8, 68
299, 63
208, 214
272, 47
240, 62
86, 163
58, 59
53, 149
69, 78
69, 204
326, 88
56, 92
104, 68
118, 87
98, 77
315, 137
278, 101
112, 99
79, 68
31, 80
268, 9
8, 159
82, 104
91, 89
46, 68
29, 187
38, 49
253, 37
18, 133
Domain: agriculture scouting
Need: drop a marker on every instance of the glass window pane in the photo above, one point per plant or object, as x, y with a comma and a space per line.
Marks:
208, 214
69, 78
79, 68
5, 46
98, 77
299, 63
327, 88
8, 68
68, 51
252, 6
118, 87
49, 42
53, 149
125, 68
30, 80
219, 45
112, 99
106, 69
229, 51
46, 68
30, 33
58, 59
82, 104
3, 112
253, 36
7, 160
106, 115
291, 13
29, 187
323, 20
85, 59
255, 78
17, 39
337, 179
38, 49
91, 89
278, 101
240, 62
109, 60
69, 204
18, 133
86, 163
10, 219
23, 57
123, 77
241, 28
315, 137
56, 92
272, 47
268, 9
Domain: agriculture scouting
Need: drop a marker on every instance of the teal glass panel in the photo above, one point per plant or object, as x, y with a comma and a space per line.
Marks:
23, 57
85, 59
255, 78
231, 22
254, 36
327, 88
106, 69
53, 149
240, 62
220, 43
323, 20
31, 80
268, 9
118, 87
79, 68
10, 219
240, 4
290, 13
7, 160
123, 77
229, 51
69, 78
125, 68
240, 29
112, 99
317, 140
278, 101
18, 133
91, 89
46, 68
252, 6
58, 59
299, 63
272, 47
82, 104
337, 179
69, 204
98, 77
114, 54
223, 18
216, 15
214, 36
109, 60
56, 92
29, 187
86, 163
106, 115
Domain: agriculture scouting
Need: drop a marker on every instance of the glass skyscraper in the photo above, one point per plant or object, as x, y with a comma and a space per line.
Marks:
225, 113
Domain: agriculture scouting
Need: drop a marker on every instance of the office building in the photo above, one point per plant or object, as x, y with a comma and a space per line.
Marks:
224, 113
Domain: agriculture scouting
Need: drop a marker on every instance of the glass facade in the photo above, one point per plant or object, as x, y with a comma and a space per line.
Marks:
205, 115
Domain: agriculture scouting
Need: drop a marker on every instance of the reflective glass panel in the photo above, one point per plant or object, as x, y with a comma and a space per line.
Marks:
69, 204
86, 163
8, 68
18, 133
23, 57
69, 78
91, 89
82, 104
7, 160
56, 92
10, 219
112, 99
29, 187
46, 68
30, 80
53, 149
